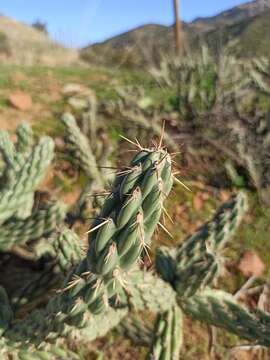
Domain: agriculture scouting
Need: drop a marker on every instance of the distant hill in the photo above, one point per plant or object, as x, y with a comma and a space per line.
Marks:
232, 16
22, 44
130, 48
249, 23
255, 38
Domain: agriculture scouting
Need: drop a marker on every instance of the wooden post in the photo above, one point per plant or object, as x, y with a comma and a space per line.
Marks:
178, 29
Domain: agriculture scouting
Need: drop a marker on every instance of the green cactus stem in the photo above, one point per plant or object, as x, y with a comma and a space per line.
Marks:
197, 261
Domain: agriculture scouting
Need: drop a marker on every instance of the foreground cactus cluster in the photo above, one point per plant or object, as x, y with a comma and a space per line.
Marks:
108, 286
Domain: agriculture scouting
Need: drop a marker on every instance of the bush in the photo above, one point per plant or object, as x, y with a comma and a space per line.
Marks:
40, 26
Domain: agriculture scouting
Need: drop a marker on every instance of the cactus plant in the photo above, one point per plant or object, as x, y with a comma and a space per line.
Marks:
132, 107
220, 309
81, 150
25, 166
138, 331
201, 82
197, 262
17, 192
40, 223
259, 72
129, 210
63, 252
253, 147
168, 335
219, 95
93, 160
25, 217
103, 286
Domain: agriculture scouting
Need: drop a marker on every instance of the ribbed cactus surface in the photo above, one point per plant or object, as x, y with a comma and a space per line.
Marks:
130, 215
65, 252
140, 332
197, 261
81, 150
45, 352
168, 335
15, 194
39, 224
69, 309
220, 309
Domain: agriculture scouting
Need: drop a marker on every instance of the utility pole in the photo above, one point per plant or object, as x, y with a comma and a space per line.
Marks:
179, 38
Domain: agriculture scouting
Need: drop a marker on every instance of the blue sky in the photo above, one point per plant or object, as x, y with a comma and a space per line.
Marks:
80, 22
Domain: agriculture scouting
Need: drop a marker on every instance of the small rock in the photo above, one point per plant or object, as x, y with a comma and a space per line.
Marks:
198, 202
21, 100
205, 196
59, 143
251, 264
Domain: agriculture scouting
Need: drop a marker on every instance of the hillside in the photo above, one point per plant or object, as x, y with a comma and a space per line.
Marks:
248, 23
231, 17
255, 37
139, 46
22, 44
